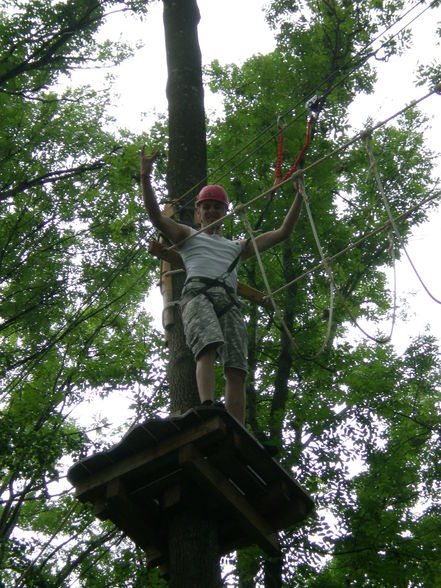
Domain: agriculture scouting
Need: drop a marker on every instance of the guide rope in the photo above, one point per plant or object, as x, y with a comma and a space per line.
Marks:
374, 169
359, 242
301, 188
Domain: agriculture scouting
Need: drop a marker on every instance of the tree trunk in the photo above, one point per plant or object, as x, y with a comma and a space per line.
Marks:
193, 540
193, 551
273, 572
187, 164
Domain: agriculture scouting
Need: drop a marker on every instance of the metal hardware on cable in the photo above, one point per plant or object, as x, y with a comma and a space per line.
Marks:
314, 104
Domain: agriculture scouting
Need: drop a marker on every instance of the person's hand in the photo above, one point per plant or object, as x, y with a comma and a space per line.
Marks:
146, 162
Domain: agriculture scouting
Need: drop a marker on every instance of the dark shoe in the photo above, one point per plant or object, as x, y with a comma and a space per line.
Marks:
211, 404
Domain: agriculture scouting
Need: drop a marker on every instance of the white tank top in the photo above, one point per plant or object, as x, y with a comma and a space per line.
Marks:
209, 256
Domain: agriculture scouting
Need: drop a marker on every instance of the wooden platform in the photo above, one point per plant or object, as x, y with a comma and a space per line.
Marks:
204, 458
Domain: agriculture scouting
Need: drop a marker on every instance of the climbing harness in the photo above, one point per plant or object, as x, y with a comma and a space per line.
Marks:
220, 281
205, 291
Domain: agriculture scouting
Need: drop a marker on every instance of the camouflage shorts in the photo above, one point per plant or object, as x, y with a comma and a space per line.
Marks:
203, 327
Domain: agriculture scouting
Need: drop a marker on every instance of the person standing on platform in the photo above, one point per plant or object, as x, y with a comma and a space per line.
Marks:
211, 315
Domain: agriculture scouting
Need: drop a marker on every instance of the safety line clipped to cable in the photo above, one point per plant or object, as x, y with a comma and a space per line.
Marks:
243, 206
373, 167
325, 88
313, 106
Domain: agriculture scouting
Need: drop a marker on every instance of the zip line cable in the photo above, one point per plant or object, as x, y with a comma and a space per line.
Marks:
360, 135
317, 88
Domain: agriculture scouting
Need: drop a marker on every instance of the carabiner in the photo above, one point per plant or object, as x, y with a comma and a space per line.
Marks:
281, 124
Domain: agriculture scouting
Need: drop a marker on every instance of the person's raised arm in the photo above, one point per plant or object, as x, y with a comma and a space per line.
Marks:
175, 232
270, 238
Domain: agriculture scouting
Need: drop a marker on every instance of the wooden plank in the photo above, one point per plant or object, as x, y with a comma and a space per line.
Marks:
221, 489
214, 426
140, 522
229, 462
155, 488
280, 506
267, 468
162, 252
172, 256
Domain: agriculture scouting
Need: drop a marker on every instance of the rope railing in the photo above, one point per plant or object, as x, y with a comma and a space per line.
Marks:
358, 242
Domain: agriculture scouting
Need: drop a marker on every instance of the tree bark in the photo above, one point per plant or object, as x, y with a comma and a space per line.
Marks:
193, 540
193, 551
187, 165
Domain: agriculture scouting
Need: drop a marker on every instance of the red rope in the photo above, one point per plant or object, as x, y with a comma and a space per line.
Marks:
279, 157
299, 156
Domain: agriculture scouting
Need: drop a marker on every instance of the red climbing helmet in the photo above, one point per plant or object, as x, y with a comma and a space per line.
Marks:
212, 192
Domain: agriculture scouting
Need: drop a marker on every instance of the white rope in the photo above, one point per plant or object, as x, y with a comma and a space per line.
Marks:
357, 243
334, 288
326, 265
373, 167
267, 286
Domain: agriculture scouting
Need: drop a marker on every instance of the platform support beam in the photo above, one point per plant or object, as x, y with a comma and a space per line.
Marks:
226, 493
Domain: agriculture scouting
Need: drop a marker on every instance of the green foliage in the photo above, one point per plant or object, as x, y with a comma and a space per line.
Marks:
74, 271
349, 422
358, 426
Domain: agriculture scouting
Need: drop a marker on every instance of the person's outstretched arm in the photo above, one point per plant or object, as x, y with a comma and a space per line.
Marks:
175, 232
270, 238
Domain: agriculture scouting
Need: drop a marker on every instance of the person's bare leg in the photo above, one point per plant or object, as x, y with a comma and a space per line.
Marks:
205, 374
235, 393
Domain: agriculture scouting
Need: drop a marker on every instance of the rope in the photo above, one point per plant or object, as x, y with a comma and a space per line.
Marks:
299, 159
267, 286
373, 168
243, 206
363, 59
271, 297
301, 188
357, 243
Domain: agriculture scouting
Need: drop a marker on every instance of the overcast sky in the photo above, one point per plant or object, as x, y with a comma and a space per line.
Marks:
233, 30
